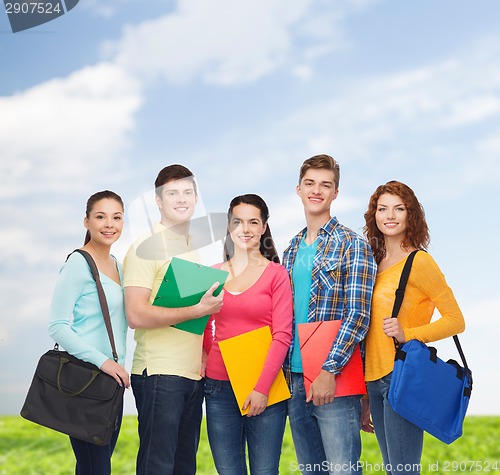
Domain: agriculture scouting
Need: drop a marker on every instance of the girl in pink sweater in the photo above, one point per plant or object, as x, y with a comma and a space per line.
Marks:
257, 293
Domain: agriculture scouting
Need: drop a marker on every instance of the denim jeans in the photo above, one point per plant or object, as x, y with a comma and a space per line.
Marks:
169, 414
400, 441
95, 459
229, 432
327, 438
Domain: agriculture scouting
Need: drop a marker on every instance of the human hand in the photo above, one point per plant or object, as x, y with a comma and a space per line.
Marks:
393, 329
256, 402
209, 303
322, 389
366, 421
116, 371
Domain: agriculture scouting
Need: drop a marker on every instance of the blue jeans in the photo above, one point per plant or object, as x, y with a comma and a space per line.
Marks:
169, 414
327, 438
400, 441
95, 459
229, 432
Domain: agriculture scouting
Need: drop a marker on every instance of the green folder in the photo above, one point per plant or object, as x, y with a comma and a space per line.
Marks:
183, 285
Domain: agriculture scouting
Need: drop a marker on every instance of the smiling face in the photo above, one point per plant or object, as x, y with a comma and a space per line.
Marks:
391, 216
246, 227
317, 191
177, 201
105, 221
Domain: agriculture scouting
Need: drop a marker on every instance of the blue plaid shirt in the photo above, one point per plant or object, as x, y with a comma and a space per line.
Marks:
343, 276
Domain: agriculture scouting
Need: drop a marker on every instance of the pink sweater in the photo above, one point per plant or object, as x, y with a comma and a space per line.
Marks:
267, 302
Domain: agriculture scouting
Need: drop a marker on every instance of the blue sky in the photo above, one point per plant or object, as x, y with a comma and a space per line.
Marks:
242, 93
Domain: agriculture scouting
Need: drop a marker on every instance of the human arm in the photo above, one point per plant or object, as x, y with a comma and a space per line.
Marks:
429, 281
256, 403
366, 420
322, 389
392, 328
281, 316
141, 314
356, 273
75, 320
116, 371
280, 321
141, 278
359, 271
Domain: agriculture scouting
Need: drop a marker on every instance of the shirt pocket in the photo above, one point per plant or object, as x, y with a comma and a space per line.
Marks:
329, 275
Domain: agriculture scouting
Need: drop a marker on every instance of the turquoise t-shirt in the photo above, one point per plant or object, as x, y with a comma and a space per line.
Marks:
302, 278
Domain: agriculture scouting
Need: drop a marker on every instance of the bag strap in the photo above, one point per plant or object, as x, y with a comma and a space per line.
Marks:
400, 292
102, 299
462, 357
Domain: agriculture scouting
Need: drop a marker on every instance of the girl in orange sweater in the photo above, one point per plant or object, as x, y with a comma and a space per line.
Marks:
396, 226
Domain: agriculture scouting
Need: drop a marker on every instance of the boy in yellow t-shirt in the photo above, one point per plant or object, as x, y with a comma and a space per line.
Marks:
166, 370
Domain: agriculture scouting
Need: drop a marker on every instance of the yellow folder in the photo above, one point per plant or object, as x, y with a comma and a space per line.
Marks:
183, 285
244, 357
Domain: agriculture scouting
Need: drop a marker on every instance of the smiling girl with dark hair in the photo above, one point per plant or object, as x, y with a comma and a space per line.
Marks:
257, 293
76, 319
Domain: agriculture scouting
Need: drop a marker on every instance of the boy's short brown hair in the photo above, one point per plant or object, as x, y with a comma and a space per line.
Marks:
322, 161
172, 173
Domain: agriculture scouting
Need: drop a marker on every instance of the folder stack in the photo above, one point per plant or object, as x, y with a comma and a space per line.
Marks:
244, 357
316, 340
183, 285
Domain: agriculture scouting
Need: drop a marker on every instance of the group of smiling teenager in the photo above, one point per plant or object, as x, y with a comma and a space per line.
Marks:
328, 272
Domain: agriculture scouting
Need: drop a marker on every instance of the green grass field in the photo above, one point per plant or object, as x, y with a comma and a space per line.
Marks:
28, 449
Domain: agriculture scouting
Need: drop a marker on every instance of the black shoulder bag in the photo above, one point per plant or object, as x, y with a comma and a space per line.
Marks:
430, 393
72, 396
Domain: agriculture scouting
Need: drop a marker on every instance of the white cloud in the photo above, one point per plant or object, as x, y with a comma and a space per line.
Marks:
65, 124
303, 72
58, 138
397, 120
109, 8
223, 41
227, 43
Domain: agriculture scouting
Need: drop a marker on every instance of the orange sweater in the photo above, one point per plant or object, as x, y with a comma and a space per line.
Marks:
426, 289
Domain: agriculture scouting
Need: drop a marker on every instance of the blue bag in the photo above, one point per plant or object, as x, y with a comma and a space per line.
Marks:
430, 393
425, 390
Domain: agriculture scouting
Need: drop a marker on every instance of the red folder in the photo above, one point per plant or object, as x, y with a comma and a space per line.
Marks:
316, 340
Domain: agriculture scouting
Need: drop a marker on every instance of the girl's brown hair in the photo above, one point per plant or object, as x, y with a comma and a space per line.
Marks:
417, 231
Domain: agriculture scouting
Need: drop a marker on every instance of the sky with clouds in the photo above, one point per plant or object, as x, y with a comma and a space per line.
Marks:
242, 92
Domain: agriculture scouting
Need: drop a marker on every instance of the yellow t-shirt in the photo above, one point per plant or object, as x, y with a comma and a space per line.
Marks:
165, 350
426, 289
